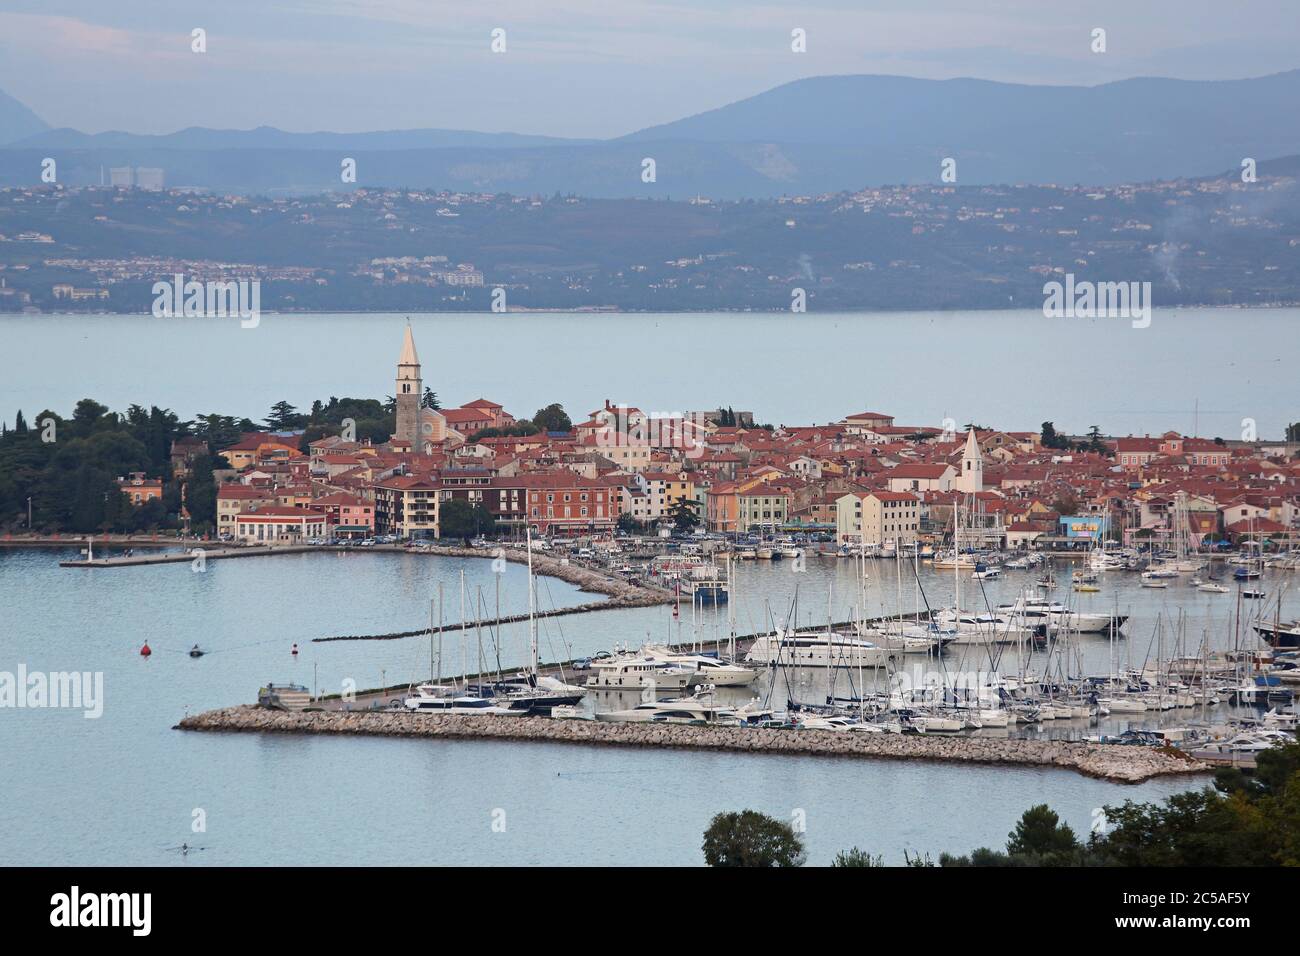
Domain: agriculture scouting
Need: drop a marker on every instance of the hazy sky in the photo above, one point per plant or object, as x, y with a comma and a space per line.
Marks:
576, 67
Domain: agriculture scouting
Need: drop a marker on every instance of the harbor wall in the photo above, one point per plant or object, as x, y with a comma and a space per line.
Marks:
1121, 764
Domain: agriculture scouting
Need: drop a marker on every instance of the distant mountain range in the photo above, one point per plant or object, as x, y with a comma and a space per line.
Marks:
17, 121
822, 134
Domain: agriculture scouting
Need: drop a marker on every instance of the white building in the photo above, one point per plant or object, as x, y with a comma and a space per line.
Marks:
875, 517
276, 525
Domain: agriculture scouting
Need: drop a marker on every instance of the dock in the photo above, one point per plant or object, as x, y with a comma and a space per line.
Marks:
177, 557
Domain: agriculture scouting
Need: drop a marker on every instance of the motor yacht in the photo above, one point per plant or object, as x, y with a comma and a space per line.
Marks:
708, 669
636, 672
823, 648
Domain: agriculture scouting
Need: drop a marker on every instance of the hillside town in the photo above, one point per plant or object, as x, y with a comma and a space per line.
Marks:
863, 481
1204, 241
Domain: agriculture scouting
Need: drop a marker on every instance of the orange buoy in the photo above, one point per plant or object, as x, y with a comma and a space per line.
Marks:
144, 651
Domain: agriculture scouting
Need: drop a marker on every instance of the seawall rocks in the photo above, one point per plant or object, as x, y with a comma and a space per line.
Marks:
1122, 764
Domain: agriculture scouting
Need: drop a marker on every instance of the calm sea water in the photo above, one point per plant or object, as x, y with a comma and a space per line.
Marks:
124, 787
1010, 370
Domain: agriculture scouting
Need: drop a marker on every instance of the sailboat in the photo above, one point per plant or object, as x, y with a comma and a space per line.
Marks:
435, 697
531, 691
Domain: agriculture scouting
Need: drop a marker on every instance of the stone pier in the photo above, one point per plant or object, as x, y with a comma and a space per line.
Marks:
1121, 764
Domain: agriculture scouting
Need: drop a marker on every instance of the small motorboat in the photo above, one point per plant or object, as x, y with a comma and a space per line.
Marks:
1209, 587
1085, 587
197, 651
1253, 594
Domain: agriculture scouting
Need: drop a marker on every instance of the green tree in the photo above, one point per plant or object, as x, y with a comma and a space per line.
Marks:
430, 399
459, 518
750, 838
284, 417
683, 514
1041, 834
552, 418
855, 857
1050, 438
201, 495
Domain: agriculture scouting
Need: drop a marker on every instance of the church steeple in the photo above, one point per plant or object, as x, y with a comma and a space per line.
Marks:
410, 390
971, 478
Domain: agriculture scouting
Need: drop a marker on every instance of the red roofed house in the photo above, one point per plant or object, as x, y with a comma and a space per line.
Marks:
921, 477
566, 503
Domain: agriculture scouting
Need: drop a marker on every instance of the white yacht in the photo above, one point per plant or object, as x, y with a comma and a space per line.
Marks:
1056, 615
822, 648
973, 628
699, 708
909, 637
442, 699
1122, 705
708, 669
1100, 560
636, 672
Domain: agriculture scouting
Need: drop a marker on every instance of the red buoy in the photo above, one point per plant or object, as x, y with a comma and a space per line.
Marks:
144, 651
295, 650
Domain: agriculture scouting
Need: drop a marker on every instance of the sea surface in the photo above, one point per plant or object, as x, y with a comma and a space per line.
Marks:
127, 788
1200, 371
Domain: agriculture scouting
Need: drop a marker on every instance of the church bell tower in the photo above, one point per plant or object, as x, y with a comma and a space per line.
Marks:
410, 389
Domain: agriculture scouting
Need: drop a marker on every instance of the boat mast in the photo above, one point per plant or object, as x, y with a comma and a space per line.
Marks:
439, 680
464, 661
532, 607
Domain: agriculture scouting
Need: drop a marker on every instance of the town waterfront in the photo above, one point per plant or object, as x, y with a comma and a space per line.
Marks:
1200, 371
122, 788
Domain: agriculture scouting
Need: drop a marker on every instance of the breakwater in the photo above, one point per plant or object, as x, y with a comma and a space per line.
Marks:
618, 593
1121, 764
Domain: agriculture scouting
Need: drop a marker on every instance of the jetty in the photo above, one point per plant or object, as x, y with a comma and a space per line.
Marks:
587, 577
1121, 764
176, 557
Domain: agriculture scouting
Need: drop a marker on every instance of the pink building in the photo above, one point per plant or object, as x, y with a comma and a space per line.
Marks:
347, 516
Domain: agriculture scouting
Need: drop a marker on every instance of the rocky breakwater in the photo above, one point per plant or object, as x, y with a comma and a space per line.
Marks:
1123, 764
589, 579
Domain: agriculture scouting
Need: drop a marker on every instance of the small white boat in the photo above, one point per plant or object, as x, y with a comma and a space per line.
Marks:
936, 724
1209, 587
570, 712
1122, 705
